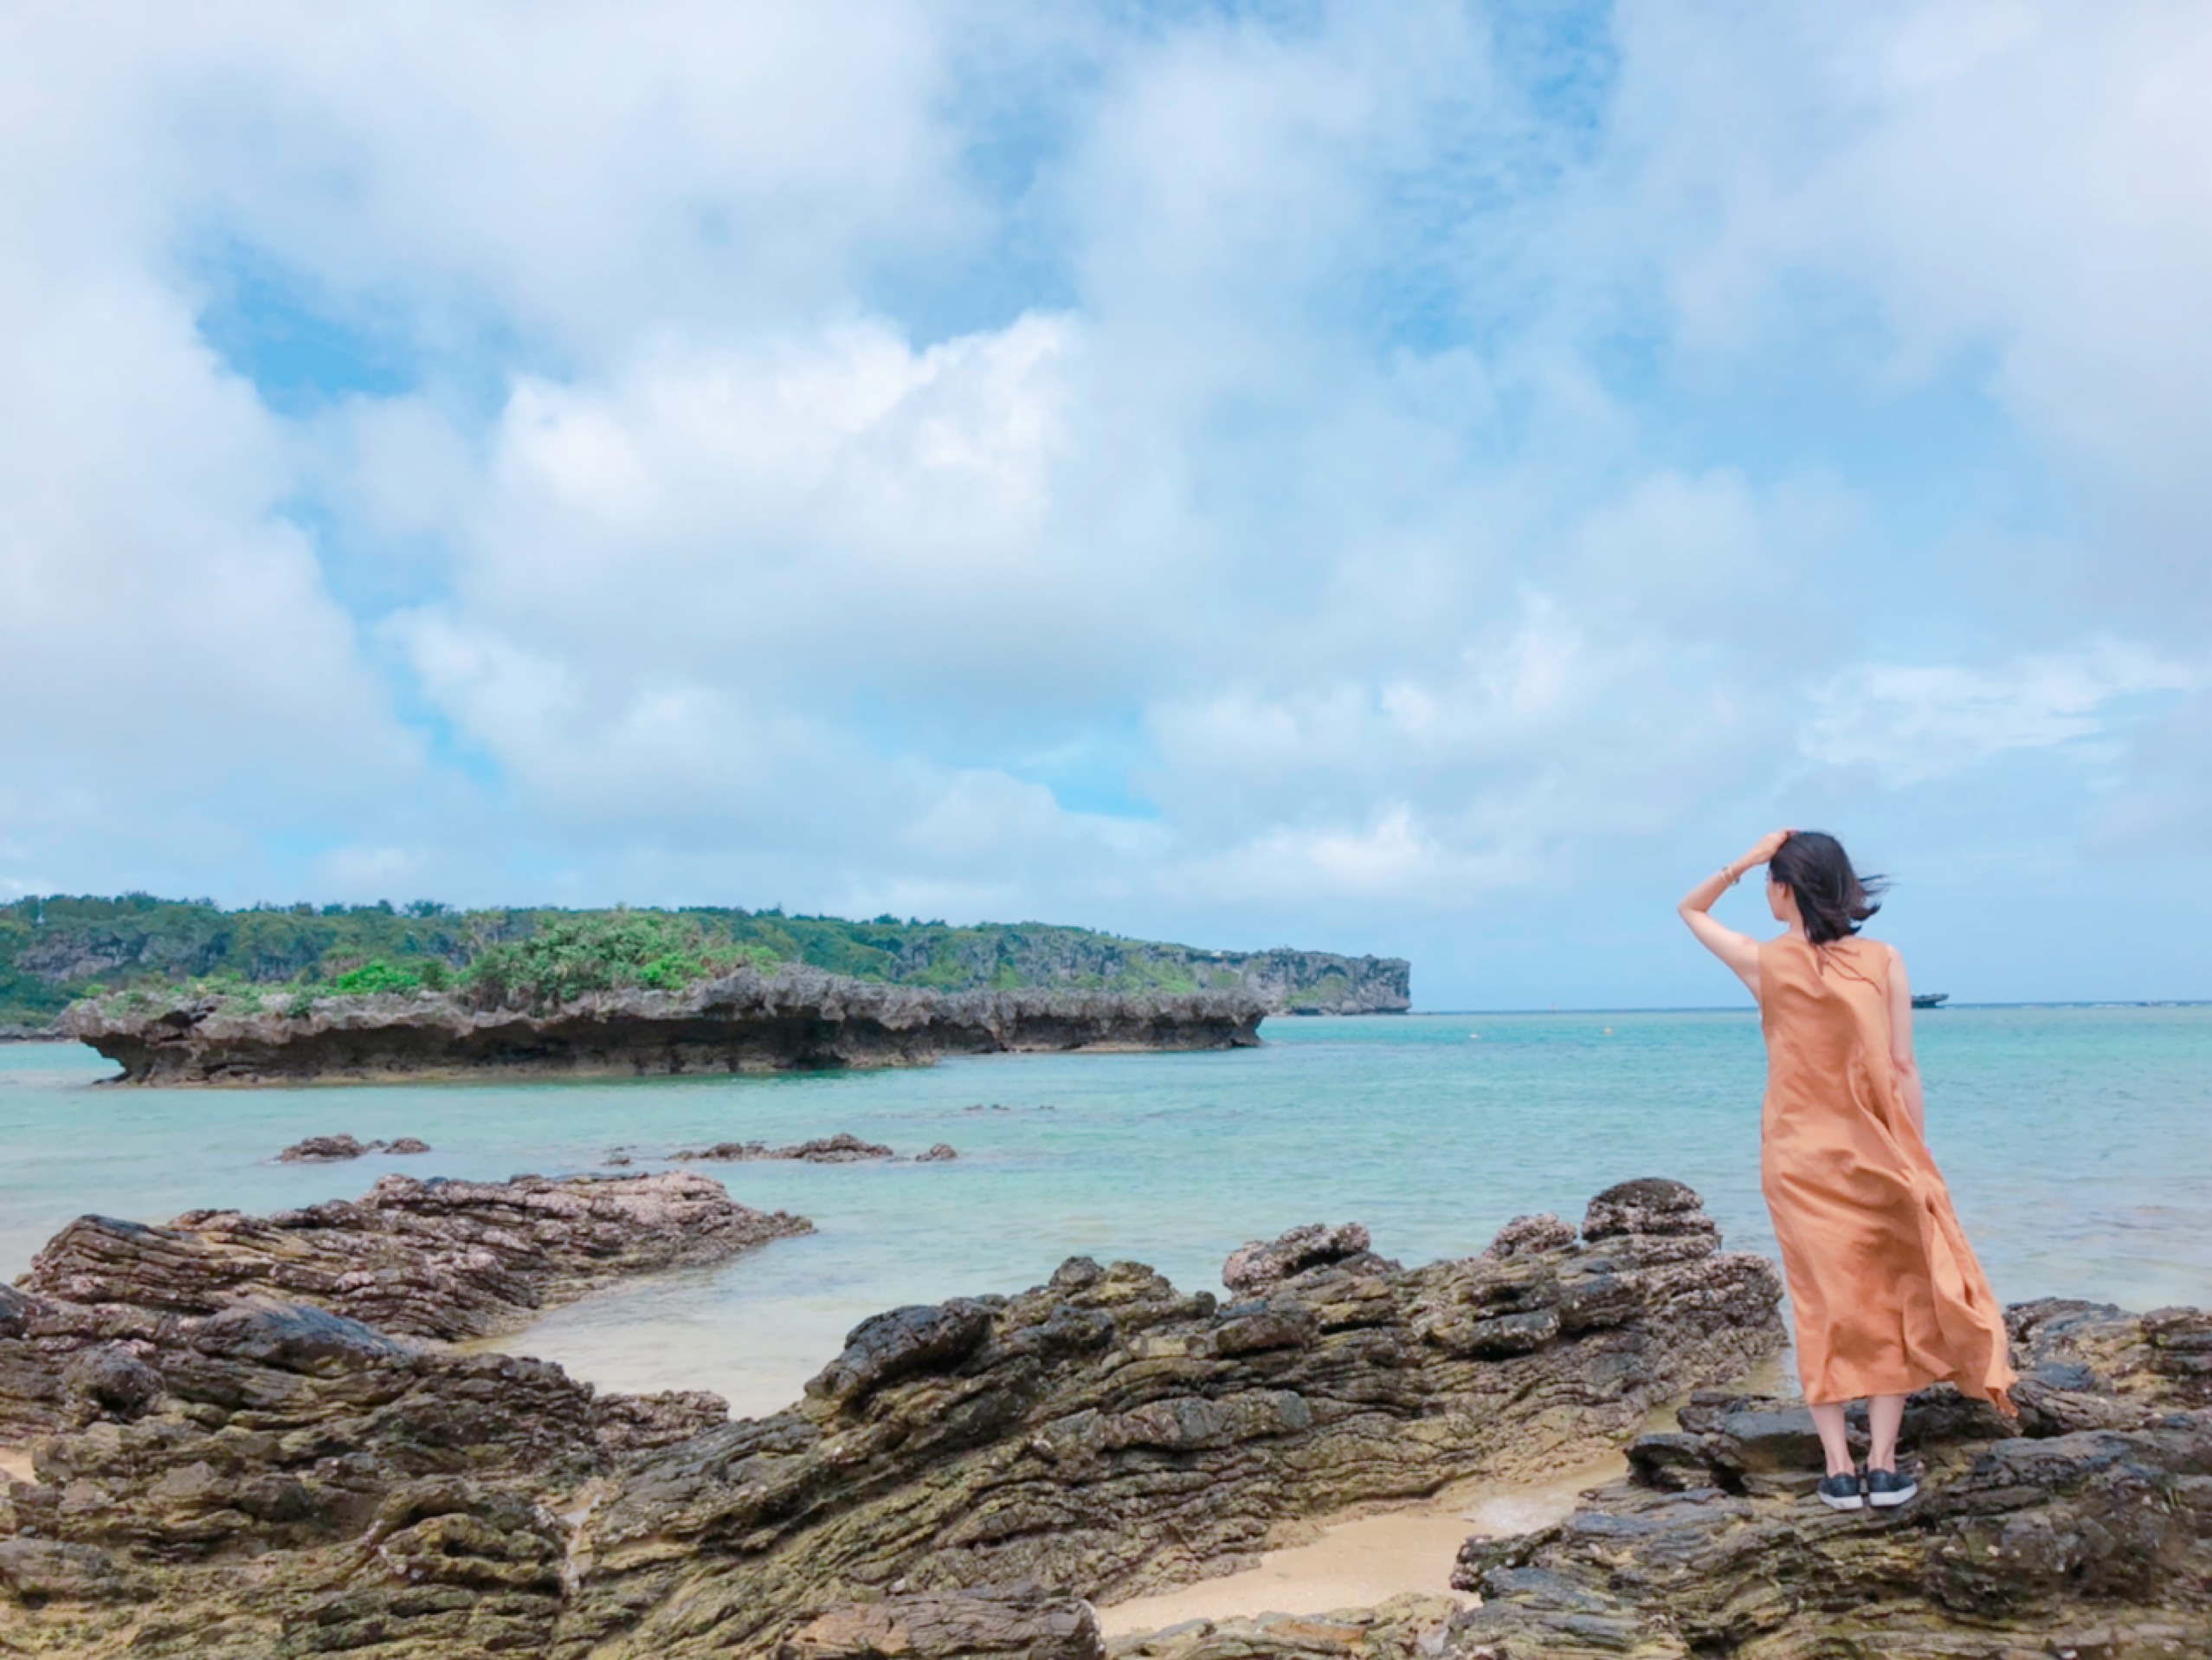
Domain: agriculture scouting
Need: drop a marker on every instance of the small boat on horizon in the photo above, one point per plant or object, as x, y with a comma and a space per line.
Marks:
1930, 999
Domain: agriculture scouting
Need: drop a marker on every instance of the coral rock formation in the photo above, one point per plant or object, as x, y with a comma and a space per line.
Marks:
1022, 1623
1252, 1268
264, 1481
1409, 1627
2087, 1531
747, 1021
438, 1258
276, 1479
1108, 1433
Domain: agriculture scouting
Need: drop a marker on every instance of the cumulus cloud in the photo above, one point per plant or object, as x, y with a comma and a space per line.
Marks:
1909, 725
813, 486
2011, 183
178, 677
1201, 472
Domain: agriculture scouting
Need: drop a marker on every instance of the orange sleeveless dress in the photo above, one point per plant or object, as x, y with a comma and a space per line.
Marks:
1887, 1296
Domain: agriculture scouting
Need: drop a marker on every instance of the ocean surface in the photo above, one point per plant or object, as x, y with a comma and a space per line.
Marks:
2078, 1142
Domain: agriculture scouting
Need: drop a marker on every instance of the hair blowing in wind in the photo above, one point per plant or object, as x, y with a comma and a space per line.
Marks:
1832, 897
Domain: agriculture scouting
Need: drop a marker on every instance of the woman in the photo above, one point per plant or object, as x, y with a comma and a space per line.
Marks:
1887, 1296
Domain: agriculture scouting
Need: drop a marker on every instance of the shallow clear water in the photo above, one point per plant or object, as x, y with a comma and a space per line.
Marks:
2075, 1140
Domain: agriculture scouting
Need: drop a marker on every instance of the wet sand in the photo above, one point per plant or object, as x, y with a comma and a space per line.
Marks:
1366, 1557
1370, 1555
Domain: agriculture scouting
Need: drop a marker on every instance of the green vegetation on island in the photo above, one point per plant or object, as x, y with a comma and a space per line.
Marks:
57, 949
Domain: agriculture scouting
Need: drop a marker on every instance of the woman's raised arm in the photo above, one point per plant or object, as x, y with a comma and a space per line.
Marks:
1739, 951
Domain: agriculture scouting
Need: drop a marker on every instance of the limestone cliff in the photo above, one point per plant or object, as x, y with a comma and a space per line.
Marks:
1321, 983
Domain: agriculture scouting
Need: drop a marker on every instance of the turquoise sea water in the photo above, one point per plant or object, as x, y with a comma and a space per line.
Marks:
2075, 1139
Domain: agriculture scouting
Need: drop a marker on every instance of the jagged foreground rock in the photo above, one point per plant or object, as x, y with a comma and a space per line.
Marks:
203, 1440
2089, 1533
280, 1481
951, 1483
748, 1020
1108, 1433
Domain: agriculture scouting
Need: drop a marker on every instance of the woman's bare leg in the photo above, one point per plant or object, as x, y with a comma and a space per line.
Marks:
1884, 1414
1835, 1439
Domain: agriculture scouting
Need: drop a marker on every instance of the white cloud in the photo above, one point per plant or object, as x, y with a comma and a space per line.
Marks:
368, 873
2017, 182
165, 629
1909, 725
844, 436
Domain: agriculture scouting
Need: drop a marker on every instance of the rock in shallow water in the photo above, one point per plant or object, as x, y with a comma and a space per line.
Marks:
843, 1148
438, 1258
328, 1149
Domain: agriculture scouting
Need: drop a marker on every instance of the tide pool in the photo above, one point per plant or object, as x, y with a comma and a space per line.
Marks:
2074, 1140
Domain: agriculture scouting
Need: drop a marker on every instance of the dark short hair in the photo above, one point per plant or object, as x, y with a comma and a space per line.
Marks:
1832, 897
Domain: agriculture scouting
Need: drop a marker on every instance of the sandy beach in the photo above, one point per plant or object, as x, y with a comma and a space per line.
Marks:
1361, 1557
1365, 1557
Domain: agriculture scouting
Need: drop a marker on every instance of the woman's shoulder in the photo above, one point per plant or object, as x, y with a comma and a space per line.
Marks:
1857, 946
1871, 952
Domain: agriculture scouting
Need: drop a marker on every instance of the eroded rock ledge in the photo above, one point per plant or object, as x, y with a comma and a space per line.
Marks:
274, 1482
791, 1019
438, 1258
2086, 1533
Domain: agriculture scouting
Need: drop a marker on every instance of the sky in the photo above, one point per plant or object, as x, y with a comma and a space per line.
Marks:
1427, 479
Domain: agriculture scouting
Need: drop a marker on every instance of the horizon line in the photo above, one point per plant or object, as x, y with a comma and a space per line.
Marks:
1753, 1008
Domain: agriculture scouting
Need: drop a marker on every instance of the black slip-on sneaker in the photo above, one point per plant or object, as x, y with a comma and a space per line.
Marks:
1887, 1489
1841, 1492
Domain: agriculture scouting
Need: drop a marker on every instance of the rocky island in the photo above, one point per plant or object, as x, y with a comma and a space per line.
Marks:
744, 1021
57, 949
631, 991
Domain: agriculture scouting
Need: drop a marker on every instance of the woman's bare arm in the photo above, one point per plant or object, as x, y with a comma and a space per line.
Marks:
1739, 951
1901, 1043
